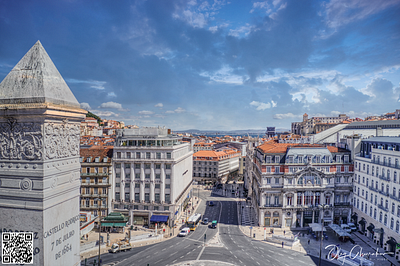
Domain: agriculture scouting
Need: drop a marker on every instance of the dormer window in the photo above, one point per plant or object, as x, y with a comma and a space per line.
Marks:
105, 159
89, 159
97, 159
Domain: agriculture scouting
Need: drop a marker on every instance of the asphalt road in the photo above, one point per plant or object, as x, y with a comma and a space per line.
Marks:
233, 246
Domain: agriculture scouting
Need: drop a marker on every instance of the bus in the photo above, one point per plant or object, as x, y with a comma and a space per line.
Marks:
193, 221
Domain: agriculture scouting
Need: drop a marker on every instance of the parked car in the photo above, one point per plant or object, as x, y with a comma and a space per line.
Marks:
346, 228
205, 221
352, 227
184, 232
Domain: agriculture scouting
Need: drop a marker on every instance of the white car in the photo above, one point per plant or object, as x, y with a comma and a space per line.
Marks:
352, 227
184, 232
346, 228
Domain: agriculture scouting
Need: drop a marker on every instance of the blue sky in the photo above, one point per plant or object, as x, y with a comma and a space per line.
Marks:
215, 64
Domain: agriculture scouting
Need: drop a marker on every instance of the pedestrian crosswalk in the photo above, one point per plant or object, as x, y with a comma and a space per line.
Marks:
248, 215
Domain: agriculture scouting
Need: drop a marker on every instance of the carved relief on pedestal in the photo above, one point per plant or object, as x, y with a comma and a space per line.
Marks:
61, 140
20, 141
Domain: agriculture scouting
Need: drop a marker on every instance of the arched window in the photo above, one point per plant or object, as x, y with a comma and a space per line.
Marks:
397, 226
394, 192
382, 187
380, 217
387, 204
395, 176
367, 182
358, 203
375, 213
391, 223
267, 214
388, 174
300, 182
377, 169
318, 180
370, 211
385, 220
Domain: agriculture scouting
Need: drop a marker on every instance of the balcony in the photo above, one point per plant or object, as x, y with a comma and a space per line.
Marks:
383, 193
95, 184
273, 205
383, 208
384, 178
340, 204
94, 174
373, 189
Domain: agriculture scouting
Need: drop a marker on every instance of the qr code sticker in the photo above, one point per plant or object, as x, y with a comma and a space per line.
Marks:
17, 248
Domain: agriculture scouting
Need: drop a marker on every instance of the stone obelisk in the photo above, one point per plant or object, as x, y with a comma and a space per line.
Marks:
39, 158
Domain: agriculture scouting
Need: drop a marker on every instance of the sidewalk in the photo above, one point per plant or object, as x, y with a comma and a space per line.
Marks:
93, 236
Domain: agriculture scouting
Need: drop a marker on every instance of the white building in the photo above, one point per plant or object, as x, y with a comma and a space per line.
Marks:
152, 174
288, 183
377, 191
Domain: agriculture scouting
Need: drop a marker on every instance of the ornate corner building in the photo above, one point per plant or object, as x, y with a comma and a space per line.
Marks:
288, 184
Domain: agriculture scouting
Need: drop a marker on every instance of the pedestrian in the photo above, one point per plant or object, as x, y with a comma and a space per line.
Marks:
284, 232
309, 241
283, 243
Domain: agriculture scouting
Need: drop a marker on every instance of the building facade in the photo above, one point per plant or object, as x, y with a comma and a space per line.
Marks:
152, 172
289, 182
377, 191
96, 179
215, 166
314, 125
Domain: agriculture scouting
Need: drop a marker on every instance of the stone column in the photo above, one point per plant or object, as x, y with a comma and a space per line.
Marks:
152, 188
39, 159
295, 199
162, 186
122, 188
142, 179
261, 219
302, 218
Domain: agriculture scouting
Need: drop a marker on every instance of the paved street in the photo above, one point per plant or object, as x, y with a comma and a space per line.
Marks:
227, 243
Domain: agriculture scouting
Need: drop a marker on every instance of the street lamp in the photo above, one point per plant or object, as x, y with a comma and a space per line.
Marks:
323, 207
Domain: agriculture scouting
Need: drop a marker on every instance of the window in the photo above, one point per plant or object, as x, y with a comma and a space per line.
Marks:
338, 158
300, 181
268, 159
145, 207
168, 176
338, 168
277, 159
105, 170
127, 197
136, 207
127, 185
127, 165
138, 155
156, 207
158, 166
157, 197
147, 185
147, 176
158, 176
158, 155
268, 169
168, 155
117, 165
277, 169
137, 176
137, 197
167, 198
167, 166
157, 186
276, 180
147, 155
167, 186
118, 155
128, 155
166, 208
137, 185
117, 184
395, 176
147, 197
268, 180
290, 180
147, 166
117, 196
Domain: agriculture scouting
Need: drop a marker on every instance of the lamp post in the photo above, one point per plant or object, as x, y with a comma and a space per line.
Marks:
323, 207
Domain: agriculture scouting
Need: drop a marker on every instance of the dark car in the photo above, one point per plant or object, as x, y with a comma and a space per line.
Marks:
211, 203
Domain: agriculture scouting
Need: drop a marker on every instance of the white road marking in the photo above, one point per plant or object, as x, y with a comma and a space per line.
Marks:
157, 261
173, 254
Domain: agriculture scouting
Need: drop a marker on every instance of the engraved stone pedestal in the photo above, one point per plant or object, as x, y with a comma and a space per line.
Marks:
39, 159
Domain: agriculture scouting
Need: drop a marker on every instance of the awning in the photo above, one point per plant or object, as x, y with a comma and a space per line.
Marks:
159, 218
113, 224
391, 242
378, 230
371, 227
107, 224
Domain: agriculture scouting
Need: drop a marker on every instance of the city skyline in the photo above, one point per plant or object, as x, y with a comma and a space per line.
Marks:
215, 64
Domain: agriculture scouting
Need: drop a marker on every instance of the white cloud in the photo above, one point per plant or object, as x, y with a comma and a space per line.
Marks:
94, 84
176, 111
241, 31
85, 106
144, 112
159, 105
259, 5
180, 110
113, 105
111, 94
287, 116
342, 12
262, 106
104, 113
